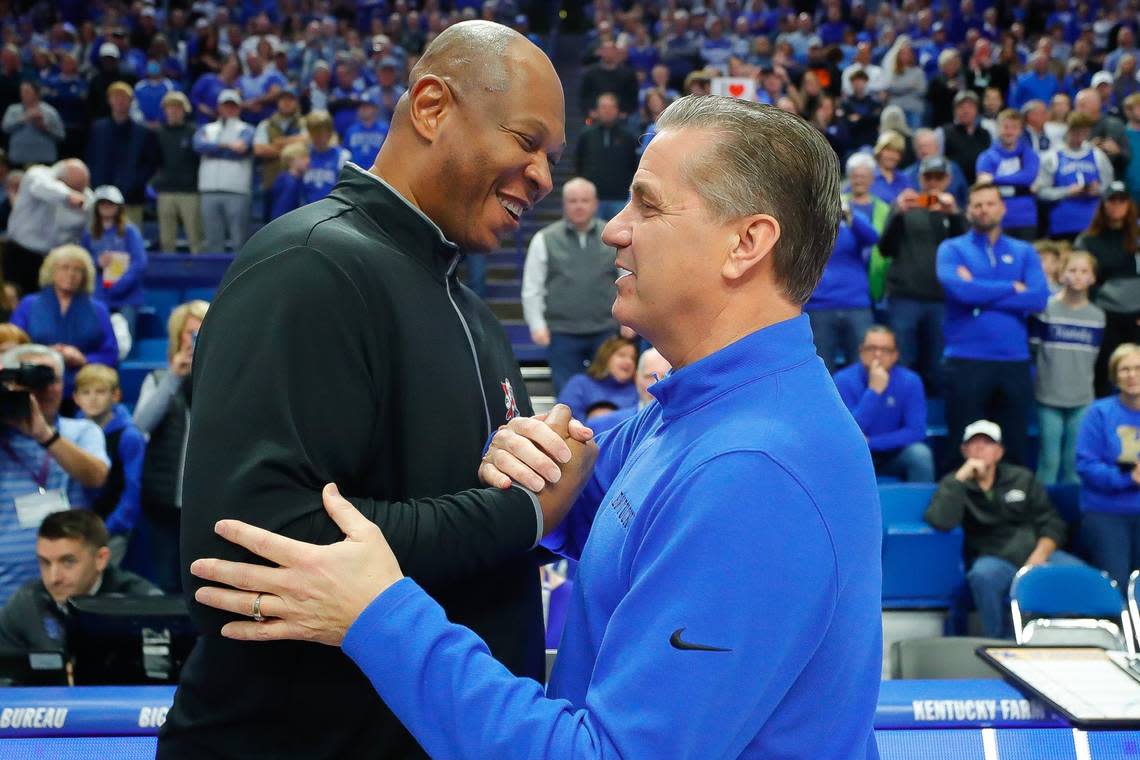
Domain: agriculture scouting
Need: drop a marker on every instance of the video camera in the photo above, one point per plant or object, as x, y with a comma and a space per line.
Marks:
17, 404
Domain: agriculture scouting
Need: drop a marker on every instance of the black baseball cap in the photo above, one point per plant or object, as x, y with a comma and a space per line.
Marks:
1115, 189
934, 165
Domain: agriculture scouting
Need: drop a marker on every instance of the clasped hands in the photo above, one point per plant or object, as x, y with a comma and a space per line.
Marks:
316, 592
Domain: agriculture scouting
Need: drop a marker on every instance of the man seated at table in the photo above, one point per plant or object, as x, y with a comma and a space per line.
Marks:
1008, 520
72, 551
887, 401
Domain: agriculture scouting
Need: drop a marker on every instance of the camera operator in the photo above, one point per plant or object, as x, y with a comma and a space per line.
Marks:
45, 461
919, 222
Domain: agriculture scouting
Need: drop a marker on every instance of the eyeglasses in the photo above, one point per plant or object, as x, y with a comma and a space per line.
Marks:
877, 350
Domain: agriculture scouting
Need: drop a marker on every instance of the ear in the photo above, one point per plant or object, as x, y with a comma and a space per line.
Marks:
429, 100
117, 396
102, 557
754, 237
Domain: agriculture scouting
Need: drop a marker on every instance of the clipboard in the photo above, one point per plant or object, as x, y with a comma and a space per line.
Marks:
1080, 683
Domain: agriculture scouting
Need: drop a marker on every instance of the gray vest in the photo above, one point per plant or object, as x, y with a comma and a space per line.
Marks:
580, 288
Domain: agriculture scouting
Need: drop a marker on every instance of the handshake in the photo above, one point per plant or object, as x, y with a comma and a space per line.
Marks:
550, 454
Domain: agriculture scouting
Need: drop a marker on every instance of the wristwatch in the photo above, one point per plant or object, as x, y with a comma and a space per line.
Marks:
52, 439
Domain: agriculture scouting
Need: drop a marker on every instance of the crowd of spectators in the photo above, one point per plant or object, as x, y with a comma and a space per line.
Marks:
189, 108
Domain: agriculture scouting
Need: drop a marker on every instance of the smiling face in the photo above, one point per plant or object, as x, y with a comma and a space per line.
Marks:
667, 240
622, 364
497, 150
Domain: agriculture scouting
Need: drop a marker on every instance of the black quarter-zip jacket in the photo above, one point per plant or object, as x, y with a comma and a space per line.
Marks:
341, 348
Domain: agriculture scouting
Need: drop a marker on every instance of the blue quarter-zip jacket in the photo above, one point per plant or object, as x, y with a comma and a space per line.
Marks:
729, 581
986, 318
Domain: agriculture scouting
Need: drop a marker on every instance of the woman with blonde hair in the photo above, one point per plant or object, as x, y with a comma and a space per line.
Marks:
1108, 462
163, 414
63, 314
889, 179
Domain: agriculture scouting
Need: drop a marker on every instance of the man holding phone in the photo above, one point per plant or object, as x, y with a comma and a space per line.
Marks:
916, 227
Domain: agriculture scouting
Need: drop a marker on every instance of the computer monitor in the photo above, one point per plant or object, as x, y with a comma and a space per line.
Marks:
129, 639
19, 667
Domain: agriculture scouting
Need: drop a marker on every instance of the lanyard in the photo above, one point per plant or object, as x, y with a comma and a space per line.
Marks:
41, 478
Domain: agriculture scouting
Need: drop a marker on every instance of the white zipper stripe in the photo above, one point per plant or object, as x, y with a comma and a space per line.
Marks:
470, 341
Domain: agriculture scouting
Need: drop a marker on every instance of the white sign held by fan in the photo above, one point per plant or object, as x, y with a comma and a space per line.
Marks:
736, 87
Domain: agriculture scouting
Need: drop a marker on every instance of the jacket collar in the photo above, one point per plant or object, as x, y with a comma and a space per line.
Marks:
416, 235
592, 229
755, 356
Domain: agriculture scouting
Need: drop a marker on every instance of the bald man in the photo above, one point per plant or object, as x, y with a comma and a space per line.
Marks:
50, 210
341, 347
568, 284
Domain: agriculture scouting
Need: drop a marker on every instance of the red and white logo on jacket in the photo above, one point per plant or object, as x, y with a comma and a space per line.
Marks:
509, 399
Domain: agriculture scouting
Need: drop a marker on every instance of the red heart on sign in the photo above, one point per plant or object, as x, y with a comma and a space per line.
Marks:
736, 90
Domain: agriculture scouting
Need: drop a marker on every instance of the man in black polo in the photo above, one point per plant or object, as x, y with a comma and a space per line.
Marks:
341, 347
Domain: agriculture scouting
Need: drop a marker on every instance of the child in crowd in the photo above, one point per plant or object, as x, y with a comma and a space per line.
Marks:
1066, 338
98, 396
1050, 252
288, 188
326, 158
119, 252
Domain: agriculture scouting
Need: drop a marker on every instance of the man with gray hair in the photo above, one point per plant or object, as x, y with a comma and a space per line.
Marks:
666, 652
568, 284
1035, 114
46, 461
50, 210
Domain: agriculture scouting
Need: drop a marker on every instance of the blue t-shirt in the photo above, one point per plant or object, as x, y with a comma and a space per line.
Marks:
324, 168
1073, 214
1106, 450
730, 574
255, 87
149, 95
363, 142
1014, 172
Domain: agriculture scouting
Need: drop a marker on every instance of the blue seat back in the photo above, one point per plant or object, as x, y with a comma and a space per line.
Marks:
905, 502
1066, 591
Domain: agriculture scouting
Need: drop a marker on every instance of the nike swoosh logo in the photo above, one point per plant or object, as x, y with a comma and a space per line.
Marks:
679, 643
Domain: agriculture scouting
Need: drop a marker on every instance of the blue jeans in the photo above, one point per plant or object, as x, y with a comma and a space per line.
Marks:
570, 354
836, 330
993, 390
918, 330
1057, 455
912, 464
990, 578
1112, 543
607, 210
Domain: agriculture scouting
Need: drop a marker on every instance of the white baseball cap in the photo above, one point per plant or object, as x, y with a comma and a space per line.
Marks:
1102, 77
982, 427
108, 50
109, 193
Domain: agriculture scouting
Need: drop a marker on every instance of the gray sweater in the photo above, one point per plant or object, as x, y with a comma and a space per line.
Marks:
29, 143
1065, 343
